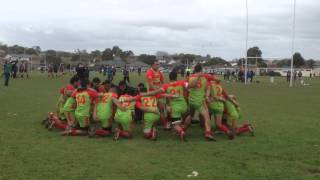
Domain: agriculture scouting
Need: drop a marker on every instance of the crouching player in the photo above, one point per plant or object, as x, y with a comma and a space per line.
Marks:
216, 97
64, 94
83, 97
177, 106
123, 118
103, 113
148, 105
232, 113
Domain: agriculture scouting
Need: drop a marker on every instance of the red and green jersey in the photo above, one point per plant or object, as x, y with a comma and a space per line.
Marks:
64, 90
216, 91
176, 88
128, 105
231, 110
148, 102
70, 105
104, 104
155, 78
83, 100
197, 94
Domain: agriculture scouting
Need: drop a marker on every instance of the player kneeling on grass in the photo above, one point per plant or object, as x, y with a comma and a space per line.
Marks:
65, 108
177, 106
73, 83
123, 118
83, 97
216, 97
232, 113
151, 115
103, 113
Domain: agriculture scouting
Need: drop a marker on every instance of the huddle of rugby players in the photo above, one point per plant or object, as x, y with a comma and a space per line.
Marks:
93, 109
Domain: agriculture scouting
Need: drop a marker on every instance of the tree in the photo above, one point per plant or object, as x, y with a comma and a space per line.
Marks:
148, 59
255, 52
107, 54
310, 63
4, 47
298, 60
125, 54
31, 51
16, 49
283, 63
96, 55
116, 51
217, 61
37, 49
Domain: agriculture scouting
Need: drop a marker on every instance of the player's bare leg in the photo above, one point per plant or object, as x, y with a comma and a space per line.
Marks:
205, 114
163, 119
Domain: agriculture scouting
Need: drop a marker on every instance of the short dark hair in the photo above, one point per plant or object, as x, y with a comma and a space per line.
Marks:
173, 75
197, 68
83, 85
106, 82
122, 83
141, 85
74, 79
154, 60
96, 80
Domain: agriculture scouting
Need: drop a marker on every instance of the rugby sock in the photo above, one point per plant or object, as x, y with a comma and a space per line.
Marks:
184, 129
243, 129
208, 133
124, 134
74, 132
179, 132
102, 132
57, 123
224, 129
60, 125
148, 135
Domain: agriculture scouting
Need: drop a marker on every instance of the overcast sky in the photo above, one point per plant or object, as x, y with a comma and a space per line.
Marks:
215, 27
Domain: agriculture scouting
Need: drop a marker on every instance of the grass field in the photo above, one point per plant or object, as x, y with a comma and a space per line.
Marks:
286, 146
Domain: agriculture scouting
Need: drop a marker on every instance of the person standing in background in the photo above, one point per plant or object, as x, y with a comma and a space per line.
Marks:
126, 74
7, 68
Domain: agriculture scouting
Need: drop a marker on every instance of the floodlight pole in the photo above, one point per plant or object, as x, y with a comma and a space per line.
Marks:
293, 38
247, 32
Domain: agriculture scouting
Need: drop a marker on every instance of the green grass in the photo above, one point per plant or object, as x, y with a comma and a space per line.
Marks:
286, 146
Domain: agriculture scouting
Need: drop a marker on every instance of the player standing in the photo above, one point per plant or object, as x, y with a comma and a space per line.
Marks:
155, 80
197, 86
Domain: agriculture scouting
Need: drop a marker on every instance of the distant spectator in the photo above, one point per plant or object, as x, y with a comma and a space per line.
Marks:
126, 74
55, 69
251, 74
114, 70
288, 76
86, 72
50, 70
139, 71
295, 76
14, 69
81, 72
182, 71
7, 68
110, 73
241, 76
